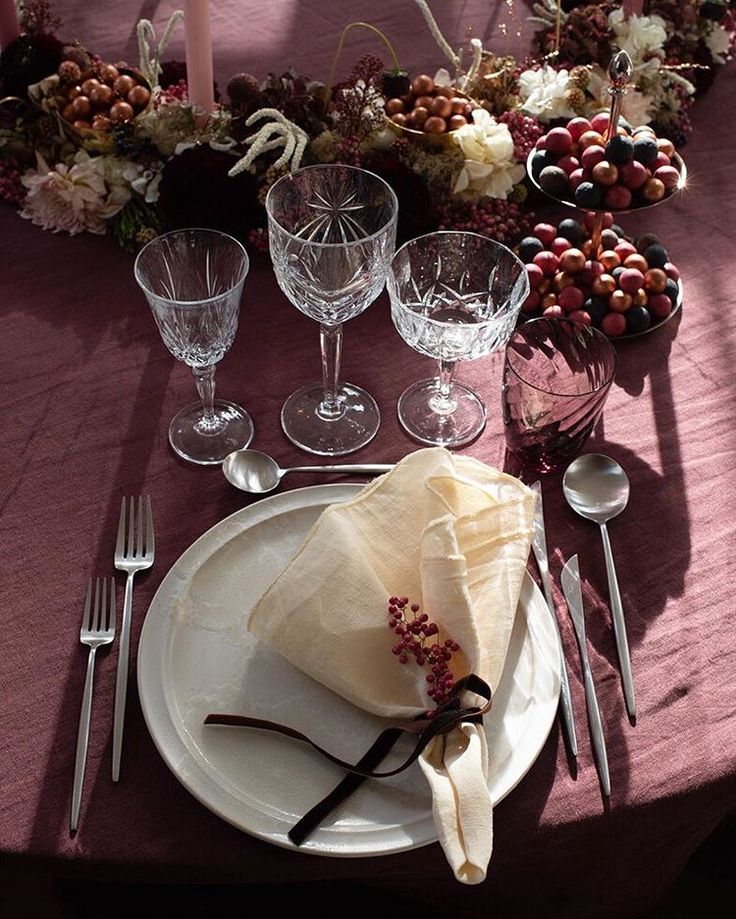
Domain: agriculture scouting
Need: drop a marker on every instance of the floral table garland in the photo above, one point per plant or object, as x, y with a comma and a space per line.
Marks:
169, 164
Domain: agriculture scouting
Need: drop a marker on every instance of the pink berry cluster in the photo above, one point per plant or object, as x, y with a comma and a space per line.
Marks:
258, 238
11, 188
348, 151
176, 92
525, 131
499, 219
415, 636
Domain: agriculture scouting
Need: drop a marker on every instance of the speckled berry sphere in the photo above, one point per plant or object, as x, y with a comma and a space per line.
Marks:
588, 195
638, 319
554, 181
548, 262
656, 256
630, 280
668, 176
559, 140
633, 174
660, 306
645, 149
571, 298
613, 324
545, 232
672, 290
618, 198
620, 150
571, 230
535, 275
529, 247
655, 281
620, 301
581, 316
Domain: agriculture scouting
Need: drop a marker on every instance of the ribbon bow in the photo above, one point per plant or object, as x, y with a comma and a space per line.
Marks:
427, 726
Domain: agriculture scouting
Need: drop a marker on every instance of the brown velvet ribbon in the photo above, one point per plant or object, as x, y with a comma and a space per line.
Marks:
444, 718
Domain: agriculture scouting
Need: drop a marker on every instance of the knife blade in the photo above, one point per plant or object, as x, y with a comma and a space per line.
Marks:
574, 597
539, 547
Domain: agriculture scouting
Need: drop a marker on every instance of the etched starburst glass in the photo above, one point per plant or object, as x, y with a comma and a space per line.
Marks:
454, 297
332, 232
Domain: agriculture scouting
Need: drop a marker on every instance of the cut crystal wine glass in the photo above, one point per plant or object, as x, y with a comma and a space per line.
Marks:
454, 297
332, 232
193, 280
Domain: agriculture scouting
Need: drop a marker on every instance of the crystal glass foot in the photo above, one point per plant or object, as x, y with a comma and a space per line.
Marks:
209, 441
193, 281
454, 297
353, 425
449, 420
331, 231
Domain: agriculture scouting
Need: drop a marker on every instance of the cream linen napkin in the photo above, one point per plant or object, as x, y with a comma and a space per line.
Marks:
451, 534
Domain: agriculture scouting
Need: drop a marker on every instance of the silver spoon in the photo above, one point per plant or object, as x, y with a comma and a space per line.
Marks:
597, 488
258, 473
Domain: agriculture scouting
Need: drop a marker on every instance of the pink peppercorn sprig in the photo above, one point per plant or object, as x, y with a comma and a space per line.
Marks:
417, 639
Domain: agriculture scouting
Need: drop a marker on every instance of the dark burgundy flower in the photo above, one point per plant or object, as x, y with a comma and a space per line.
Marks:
417, 214
27, 60
171, 73
196, 191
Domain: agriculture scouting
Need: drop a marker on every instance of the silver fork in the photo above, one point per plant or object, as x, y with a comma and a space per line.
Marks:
132, 554
98, 629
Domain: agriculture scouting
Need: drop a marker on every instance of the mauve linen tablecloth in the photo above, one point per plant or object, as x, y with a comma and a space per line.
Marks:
87, 391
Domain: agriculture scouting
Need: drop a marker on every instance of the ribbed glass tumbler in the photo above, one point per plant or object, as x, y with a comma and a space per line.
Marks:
557, 376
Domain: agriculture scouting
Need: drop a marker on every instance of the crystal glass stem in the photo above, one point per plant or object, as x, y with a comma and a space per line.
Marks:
209, 423
443, 403
330, 339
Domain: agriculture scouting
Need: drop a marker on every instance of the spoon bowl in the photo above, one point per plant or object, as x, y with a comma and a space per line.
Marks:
596, 487
258, 473
252, 471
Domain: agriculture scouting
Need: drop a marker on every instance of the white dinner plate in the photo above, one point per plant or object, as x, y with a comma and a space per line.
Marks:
196, 657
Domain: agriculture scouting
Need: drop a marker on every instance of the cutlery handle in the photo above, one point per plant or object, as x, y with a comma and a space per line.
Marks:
80, 759
121, 680
568, 717
346, 468
619, 625
596, 727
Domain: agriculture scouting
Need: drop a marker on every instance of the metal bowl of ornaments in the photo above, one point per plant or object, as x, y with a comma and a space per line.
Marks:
90, 102
626, 288
575, 165
429, 114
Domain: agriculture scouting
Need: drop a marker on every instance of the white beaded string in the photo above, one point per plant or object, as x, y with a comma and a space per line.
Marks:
277, 132
150, 66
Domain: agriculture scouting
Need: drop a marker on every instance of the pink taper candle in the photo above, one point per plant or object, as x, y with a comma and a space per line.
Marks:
198, 41
9, 28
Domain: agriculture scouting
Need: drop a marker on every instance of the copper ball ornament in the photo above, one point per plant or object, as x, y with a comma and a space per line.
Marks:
120, 112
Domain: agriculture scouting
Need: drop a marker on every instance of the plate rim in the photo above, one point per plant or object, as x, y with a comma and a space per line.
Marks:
168, 731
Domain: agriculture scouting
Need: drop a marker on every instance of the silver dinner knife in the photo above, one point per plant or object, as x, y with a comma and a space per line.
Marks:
539, 547
574, 597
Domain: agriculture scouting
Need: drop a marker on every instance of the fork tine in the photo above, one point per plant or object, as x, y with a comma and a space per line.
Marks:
139, 540
96, 619
131, 529
150, 541
86, 618
120, 544
111, 618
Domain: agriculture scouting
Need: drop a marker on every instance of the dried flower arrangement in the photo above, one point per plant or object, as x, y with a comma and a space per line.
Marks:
126, 164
